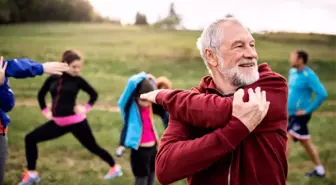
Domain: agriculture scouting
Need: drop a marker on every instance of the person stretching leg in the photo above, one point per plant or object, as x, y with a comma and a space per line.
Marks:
65, 117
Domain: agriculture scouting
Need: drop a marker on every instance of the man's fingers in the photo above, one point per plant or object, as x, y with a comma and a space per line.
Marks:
148, 96
1, 60
258, 93
263, 97
5, 66
144, 96
238, 96
57, 73
267, 105
62, 67
252, 96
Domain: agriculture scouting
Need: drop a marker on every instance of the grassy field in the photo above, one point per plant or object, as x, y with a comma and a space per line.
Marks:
112, 54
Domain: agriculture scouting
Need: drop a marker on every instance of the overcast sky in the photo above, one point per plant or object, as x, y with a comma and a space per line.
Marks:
273, 15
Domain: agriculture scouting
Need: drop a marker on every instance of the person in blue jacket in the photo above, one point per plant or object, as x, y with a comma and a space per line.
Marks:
303, 82
139, 132
17, 68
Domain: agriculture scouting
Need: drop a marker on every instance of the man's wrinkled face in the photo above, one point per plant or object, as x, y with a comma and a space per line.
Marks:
237, 56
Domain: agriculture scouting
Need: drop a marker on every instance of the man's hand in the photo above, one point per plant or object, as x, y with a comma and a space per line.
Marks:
2, 71
300, 113
80, 109
56, 68
151, 96
252, 112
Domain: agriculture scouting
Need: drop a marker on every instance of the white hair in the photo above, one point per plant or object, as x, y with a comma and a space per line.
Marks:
211, 38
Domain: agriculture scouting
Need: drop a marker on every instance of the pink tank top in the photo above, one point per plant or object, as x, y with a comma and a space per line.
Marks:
148, 134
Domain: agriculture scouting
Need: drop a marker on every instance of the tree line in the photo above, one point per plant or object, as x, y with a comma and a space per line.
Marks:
21, 11
14, 11
171, 21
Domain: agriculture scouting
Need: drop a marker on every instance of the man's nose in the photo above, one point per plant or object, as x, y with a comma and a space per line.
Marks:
250, 53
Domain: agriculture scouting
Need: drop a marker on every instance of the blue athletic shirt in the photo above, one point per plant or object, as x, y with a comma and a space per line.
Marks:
302, 85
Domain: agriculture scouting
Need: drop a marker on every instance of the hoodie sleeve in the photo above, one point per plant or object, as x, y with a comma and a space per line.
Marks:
23, 68
199, 110
6, 97
177, 151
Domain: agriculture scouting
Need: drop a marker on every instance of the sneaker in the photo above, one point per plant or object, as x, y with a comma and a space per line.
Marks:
115, 171
28, 179
314, 174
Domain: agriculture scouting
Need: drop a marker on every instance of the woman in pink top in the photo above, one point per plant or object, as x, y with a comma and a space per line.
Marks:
143, 157
65, 117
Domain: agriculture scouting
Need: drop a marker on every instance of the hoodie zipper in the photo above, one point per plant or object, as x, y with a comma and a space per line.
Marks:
229, 175
58, 94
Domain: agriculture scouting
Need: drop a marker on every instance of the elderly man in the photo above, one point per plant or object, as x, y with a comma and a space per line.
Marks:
214, 138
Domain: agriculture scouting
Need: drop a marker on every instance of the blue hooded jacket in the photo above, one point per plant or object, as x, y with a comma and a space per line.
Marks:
132, 129
16, 68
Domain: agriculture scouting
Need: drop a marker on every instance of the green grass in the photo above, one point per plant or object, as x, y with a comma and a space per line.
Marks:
114, 53
64, 160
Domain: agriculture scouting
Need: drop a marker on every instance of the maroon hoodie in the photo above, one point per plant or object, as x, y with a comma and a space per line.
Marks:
209, 146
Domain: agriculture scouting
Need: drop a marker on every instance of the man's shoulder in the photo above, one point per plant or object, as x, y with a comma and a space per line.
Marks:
309, 72
271, 75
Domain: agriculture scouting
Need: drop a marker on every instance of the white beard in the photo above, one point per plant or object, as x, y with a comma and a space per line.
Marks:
239, 79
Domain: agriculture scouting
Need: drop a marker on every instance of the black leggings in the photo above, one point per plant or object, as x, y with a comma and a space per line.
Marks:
143, 165
50, 130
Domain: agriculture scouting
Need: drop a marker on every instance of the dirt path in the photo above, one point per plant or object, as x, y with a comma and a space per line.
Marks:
113, 108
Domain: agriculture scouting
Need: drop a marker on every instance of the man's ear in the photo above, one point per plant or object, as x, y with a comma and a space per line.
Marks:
211, 57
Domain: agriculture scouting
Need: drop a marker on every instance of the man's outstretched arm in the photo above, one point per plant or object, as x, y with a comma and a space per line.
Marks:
25, 68
211, 110
200, 110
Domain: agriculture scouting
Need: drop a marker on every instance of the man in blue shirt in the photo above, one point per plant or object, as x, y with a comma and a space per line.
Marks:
303, 82
17, 68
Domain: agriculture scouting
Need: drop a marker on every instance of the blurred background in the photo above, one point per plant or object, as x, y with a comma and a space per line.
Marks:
121, 38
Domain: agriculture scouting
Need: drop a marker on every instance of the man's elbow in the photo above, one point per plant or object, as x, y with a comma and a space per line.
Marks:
162, 170
322, 96
162, 174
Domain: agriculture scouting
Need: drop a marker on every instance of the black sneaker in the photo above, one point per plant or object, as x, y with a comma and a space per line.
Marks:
314, 174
